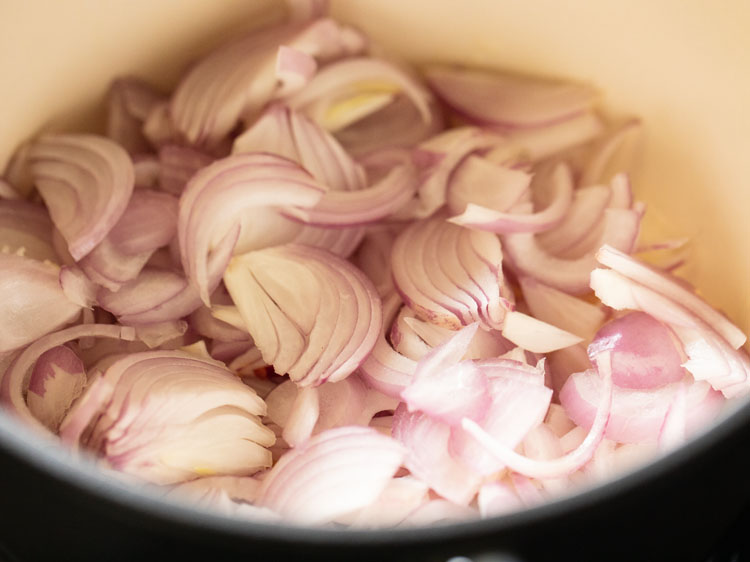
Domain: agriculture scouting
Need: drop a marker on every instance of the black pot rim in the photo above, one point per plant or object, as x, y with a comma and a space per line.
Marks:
86, 478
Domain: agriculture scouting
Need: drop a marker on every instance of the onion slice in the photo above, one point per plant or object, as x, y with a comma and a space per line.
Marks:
16, 378
449, 275
311, 314
508, 100
649, 277
34, 304
169, 416
216, 197
336, 472
566, 464
492, 220
86, 182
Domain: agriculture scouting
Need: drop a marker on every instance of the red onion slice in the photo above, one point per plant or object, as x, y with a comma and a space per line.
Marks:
448, 275
484, 183
34, 304
560, 466
542, 142
448, 150
56, 381
427, 457
312, 314
711, 358
217, 196
294, 69
509, 100
643, 351
129, 103
86, 182
177, 164
534, 335
572, 276
148, 223
161, 415
205, 114
585, 212
342, 208
334, 473
348, 90
492, 220
560, 309
15, 380
649, 277
399, 499
384, 368
26, 227
280, 130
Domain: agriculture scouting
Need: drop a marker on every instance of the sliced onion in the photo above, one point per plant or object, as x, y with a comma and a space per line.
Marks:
497, 498
321, 332
33, 304
149, 222
16, 378
711, 358
401, 497
585, 212
129, 102
216, 197
304, 414
484, 183
285, 132
398, 124
638, 271
26, 227
571, 276
384, 368
374, 258
177, 164
448, 275
205, 114
446, 388
561, 309
348, 90
341, 208
519, 403
334, 473
439, 512
508, 100
168, 416
294, 69
560, 466
86, 182
542, 142
492, 220
486, 343
77, 287
644, 352
56, 380
427, 457
447, 151
534, 335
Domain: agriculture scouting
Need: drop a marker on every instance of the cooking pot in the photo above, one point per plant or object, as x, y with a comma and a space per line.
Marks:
678, 64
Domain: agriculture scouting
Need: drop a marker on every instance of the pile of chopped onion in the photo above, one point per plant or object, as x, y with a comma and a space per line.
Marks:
312, 285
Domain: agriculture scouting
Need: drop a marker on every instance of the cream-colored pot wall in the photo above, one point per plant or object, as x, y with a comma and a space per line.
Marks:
682, 65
